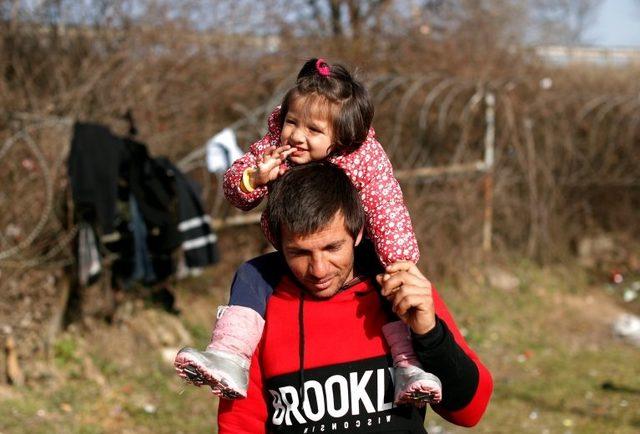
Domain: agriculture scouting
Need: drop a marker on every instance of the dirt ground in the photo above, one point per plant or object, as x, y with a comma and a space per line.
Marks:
36, 305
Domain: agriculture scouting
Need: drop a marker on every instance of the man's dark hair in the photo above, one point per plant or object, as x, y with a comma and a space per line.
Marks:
349, 104
306, 198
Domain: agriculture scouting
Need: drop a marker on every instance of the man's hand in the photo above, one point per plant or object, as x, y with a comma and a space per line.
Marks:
410, 295
269, 165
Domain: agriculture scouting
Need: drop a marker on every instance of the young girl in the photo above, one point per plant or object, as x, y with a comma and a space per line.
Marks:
326, 115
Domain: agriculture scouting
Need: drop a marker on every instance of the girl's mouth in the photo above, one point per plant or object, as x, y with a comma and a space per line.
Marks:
299, 152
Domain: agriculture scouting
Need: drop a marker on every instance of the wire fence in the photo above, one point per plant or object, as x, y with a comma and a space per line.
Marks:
511, 139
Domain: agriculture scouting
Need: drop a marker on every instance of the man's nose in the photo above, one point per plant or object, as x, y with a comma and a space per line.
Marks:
318, 267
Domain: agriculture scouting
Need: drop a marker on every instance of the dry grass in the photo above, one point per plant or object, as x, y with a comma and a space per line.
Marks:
548, 345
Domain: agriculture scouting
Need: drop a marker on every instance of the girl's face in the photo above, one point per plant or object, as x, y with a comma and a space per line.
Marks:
307, 129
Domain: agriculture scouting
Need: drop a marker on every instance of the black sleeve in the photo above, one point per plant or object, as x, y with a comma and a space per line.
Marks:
442, 356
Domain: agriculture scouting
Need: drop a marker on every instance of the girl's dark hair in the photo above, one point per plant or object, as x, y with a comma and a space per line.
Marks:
352, 109
307, 197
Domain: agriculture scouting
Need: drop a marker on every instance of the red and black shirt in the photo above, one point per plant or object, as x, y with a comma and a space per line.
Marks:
336, 349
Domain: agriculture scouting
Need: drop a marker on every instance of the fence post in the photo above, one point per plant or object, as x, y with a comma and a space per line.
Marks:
489, 144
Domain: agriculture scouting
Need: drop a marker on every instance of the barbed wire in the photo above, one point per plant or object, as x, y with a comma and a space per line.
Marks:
430, 121
48, 169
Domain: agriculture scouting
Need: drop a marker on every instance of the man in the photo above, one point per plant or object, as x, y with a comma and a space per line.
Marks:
322, 364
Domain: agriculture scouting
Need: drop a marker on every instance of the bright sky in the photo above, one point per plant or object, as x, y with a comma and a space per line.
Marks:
617, 24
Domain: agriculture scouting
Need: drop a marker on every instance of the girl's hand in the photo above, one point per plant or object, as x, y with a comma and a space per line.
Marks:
268, 165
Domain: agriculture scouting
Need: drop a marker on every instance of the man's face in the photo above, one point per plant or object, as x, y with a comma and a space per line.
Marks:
322, 262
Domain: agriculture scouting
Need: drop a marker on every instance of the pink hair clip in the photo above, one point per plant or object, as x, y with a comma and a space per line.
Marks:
323, 67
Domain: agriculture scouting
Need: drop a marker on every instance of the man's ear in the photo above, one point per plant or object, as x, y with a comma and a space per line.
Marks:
359, 237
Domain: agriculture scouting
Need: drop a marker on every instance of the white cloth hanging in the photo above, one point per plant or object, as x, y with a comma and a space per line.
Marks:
222, 151
89, 266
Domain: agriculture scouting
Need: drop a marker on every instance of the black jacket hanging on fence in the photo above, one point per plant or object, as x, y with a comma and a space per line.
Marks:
105, 171
199, 243
93, 167
154, 188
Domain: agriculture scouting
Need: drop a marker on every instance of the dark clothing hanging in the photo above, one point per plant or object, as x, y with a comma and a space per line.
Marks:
93, 167
154, 188
143, 267
107, 172
199, 243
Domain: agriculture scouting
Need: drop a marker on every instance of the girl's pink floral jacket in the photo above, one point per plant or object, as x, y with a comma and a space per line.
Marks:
387, 219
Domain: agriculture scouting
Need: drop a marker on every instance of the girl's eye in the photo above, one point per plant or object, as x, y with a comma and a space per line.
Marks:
290, 121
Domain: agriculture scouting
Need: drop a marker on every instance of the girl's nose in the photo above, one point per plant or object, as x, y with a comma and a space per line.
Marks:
298, 135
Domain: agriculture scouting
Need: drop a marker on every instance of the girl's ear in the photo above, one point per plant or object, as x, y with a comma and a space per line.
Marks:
359, 237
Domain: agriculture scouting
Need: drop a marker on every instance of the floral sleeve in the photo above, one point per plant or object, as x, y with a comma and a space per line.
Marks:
233, 176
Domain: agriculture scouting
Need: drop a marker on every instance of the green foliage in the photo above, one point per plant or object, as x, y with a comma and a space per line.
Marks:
200, 333
65, 351
107, 367
550, 351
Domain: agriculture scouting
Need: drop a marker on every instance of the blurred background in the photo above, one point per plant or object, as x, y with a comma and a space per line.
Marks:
513, 127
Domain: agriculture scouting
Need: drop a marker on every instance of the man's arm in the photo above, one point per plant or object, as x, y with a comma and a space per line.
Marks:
247, 415
466, 382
